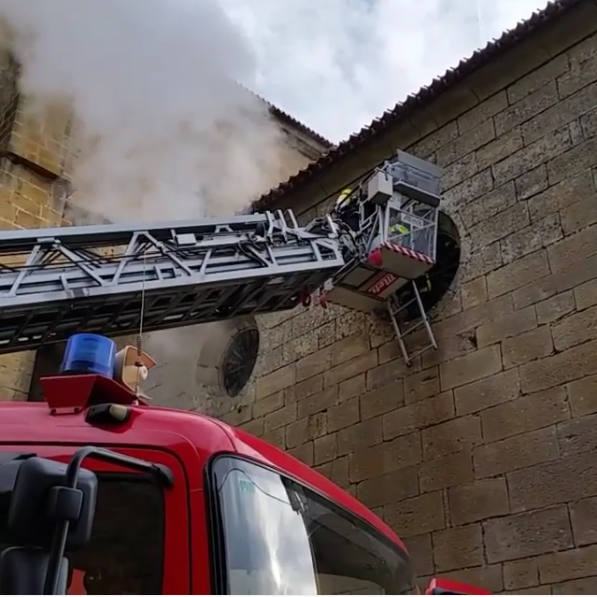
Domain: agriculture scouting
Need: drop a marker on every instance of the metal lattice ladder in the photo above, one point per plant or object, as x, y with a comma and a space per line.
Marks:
394, 309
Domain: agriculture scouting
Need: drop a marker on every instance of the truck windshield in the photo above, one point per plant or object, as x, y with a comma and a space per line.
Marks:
279, 537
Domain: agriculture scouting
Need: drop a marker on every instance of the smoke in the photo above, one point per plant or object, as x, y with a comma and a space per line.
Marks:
161, 128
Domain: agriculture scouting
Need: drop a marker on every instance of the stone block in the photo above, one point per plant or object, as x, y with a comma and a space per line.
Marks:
435, 140
553, 482
487, 577
452, 436
309, 386
537, 78
388, 351
555, 307
500, 148
586, 294
560, 114
539, 234
382, 400
580, 76
417, 515
488, 205
468, 190
478, 500
421, 385
418, 415
580, 215
268, 404
350, 368
474, 293
343, 415
297, 432
462, 169
385, 374
446, 471
282, 416
559, 197
572, 249
583, 396
578, 435
514, 275
516, 452
275, 437
578, 586
567, 163
500, 225
254, 427
350, 388
532, 182
560, 368
550, 147
520, 574
374, 461
480, 113
325, 449
299, 347
304, 453
364, 434
582, 517
313, 364
421, 553
481, 262
528, 346
487, 392
458, 547
567, 565
476, 365
528, 534
525, 414
389, 488
463, 145
349, 348
317, 402
276, 381
575, 329
532, 103
507, 326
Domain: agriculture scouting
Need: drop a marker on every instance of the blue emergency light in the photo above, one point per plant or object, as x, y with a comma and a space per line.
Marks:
89, 353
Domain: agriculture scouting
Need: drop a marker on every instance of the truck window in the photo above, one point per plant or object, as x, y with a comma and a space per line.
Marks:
125, 553
278, 537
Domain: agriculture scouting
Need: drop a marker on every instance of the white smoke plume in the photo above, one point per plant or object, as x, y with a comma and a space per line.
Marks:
162, 129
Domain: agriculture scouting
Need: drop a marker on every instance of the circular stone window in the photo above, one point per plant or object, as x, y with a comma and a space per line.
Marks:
239, 360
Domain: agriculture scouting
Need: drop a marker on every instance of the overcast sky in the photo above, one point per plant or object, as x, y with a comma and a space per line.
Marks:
337, 64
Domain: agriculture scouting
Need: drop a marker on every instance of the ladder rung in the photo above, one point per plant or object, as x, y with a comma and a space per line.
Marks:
402, 307
412, 328
421, 351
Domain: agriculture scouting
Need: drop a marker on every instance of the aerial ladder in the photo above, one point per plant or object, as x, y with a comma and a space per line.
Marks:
114, 280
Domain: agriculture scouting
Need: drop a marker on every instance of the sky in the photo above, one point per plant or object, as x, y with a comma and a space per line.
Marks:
337, 64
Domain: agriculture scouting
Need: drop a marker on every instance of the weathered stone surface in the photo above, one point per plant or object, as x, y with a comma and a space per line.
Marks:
581, 74
499, 148
520, 574
528, 346
470, 189
553, 482
389, 488
383, 458
343, 415
478, 500
485, 110
366, 433
325, 448
579, 586
482, 262
452, 436
268, 404
500, 225
555, 307
525, 414
488, 577
421, 552
580, 214
560, 368
382, 399
446, 471
582, 517
276, 381
462, 169
575, 329
310, 386
507, 326
282, 416
578, 435
474, 292
583, 396
517, 274
471, 140
573, 248
418, 415
539, 234
487, 392
473, 366
528, 534
350, 368
421, 385
352, 387
565, 565
576, 159
537, 78
349, 348
317, 402
516, 452
417, 515
458, 547
313, 364
586, 295
532, 182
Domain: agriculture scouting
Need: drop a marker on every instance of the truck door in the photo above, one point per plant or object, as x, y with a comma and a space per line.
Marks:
140, 538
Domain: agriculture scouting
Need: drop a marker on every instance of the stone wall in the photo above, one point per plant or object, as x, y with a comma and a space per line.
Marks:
32, 161
482, 456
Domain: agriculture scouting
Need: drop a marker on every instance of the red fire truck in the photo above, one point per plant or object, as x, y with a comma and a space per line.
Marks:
102, 493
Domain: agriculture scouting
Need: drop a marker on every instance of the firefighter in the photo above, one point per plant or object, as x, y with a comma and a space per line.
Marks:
342, 196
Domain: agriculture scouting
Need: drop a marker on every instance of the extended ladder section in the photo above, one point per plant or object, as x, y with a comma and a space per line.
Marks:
105, 279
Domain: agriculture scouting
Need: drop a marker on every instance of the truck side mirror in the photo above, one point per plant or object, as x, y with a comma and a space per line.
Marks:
444, 586
46, 515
